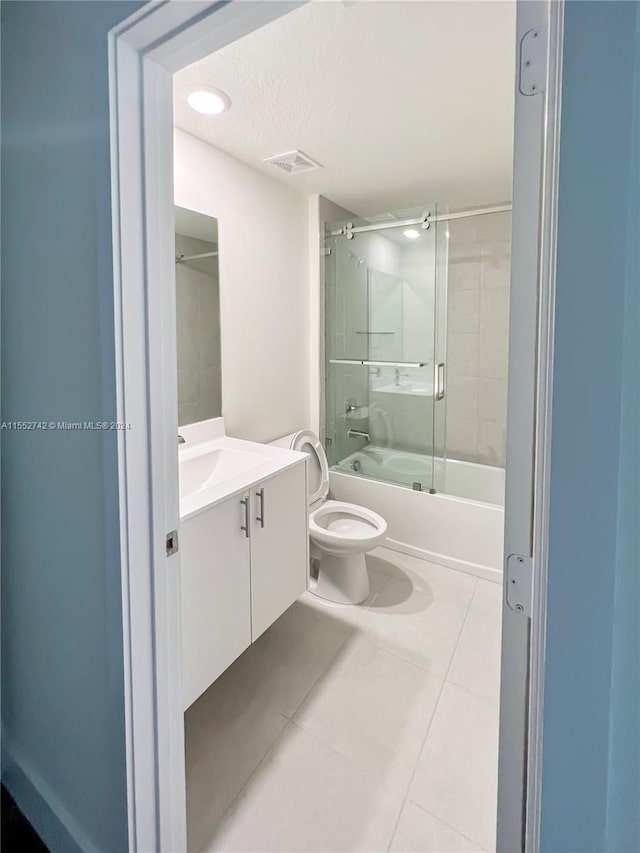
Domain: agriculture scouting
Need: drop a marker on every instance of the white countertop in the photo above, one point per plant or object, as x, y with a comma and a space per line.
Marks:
214, 466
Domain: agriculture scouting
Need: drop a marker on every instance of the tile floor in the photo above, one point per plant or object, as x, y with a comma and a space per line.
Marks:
368, 728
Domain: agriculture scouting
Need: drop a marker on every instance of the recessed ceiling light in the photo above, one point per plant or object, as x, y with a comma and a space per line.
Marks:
411, 233
209, 101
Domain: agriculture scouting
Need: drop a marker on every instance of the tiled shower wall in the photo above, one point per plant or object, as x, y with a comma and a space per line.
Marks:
477, 338
198, 333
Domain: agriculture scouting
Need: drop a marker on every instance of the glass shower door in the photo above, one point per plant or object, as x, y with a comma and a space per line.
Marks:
380, 340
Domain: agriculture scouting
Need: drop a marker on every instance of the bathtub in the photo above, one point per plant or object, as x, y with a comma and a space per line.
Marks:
461, 527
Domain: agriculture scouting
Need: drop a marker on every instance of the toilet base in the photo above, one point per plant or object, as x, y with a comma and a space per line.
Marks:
343, 580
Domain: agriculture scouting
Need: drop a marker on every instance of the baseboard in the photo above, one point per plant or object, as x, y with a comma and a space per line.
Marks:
486, 572
40, 805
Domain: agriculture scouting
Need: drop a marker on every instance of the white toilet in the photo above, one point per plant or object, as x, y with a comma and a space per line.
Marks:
341, 533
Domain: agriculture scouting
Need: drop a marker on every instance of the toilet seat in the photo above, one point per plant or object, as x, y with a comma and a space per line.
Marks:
345, 526
306, 441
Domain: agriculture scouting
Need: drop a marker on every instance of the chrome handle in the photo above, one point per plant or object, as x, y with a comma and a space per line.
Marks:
440, 381
245, 527
260, 517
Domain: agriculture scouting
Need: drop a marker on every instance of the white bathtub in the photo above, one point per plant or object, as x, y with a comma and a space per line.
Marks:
453, 477
462, 529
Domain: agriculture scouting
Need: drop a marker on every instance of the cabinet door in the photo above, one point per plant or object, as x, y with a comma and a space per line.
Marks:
279, 546
216, 594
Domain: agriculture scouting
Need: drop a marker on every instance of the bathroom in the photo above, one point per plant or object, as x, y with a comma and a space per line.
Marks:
342, 299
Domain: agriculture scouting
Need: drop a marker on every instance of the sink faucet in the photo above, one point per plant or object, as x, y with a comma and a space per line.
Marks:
180, 439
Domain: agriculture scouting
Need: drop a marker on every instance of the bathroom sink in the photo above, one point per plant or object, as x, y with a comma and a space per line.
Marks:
214, 467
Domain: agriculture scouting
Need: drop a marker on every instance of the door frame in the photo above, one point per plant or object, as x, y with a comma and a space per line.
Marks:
531, 333
144, 52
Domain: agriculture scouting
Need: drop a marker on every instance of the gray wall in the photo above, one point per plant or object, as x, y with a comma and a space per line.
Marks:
62, 681
591, 772
198, 332
477, 338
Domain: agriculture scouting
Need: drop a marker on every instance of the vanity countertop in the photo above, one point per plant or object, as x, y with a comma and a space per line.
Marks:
214, 466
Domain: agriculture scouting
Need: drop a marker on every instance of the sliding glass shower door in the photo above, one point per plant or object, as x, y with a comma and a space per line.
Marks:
383, 389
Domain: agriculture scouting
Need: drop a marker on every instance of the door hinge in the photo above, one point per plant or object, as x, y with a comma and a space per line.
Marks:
171, 543
519, 583
533, 62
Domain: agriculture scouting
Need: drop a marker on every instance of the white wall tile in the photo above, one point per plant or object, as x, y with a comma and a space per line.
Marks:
463, 314
462, 355
462, 438
494, 311
464, 274
462, 397
491, 444
492, 401
493, 356
477, 338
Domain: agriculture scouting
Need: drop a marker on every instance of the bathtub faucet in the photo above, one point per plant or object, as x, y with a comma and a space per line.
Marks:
358, 433
400, 373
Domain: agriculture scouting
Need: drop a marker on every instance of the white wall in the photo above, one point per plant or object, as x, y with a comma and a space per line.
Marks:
264, 288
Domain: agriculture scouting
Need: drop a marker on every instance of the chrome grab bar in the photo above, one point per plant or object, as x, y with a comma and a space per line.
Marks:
358, 433
378, 363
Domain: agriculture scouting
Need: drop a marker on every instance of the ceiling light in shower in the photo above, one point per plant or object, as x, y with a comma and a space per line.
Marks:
209, 101
411, 234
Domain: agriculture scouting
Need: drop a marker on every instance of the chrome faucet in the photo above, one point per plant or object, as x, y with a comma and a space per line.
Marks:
358, 433
181, 439
400, 373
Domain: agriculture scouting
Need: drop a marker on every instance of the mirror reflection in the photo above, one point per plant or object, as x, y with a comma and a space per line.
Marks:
198, 317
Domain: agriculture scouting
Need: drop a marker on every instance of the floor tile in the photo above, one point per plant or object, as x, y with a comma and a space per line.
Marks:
286, 661
476, 662
307, 797
420, 832
374, 708
419, 612
457, 775
226, 736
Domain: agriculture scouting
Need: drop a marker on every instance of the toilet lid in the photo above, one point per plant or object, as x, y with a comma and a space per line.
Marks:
308, 442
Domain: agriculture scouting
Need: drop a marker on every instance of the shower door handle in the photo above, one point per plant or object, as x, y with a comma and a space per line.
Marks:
440, 381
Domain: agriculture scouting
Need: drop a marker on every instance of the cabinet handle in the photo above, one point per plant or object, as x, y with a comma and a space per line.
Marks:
245, 527
260, 517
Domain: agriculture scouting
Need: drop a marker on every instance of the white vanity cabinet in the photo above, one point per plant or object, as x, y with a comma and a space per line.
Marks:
279, 546
244, 561
216, 587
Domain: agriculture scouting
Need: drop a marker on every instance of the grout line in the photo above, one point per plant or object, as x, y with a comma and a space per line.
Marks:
435, 711
457, 831
322, 672
250, 776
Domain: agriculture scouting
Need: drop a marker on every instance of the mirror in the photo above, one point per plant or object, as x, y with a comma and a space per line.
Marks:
197, 317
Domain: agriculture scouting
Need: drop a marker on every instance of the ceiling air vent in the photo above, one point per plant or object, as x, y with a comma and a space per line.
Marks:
293, 162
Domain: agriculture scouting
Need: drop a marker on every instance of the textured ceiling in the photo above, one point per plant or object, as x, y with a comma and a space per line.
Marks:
403, 103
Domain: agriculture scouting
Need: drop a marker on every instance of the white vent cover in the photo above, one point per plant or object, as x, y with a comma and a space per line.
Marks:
293, 162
